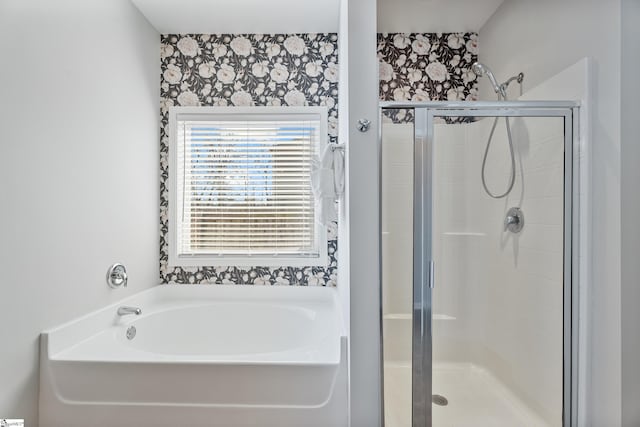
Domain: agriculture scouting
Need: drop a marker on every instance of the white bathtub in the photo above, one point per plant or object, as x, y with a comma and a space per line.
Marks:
202, 355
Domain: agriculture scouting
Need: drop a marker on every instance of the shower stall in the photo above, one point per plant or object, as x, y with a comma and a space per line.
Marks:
479, 243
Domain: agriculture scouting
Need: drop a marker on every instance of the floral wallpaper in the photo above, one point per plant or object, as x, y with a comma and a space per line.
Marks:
246, 70
429, 66
297, 69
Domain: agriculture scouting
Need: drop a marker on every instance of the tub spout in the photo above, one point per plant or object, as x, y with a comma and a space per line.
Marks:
124, 310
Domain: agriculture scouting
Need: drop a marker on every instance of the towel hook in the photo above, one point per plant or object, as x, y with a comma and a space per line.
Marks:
363, 125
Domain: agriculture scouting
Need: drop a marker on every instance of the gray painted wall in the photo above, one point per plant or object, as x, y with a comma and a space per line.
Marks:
364, 221
79, 167
630, 213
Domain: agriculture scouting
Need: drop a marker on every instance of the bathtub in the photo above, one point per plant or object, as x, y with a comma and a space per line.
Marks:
200, 356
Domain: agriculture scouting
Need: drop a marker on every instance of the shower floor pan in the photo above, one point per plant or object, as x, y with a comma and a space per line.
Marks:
475, 398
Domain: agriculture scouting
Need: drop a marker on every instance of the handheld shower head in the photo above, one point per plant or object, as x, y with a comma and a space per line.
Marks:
480, 70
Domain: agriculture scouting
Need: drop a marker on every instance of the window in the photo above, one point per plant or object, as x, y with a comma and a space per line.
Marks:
240, 186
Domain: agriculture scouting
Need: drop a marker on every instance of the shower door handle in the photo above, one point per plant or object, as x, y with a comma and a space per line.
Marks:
431, 274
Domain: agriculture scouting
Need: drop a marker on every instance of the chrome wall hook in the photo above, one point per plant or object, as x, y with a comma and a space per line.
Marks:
363, 125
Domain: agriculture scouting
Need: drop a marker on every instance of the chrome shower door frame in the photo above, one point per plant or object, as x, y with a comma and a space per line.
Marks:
423, 263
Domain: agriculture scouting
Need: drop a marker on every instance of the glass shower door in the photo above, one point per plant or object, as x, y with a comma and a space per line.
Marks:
477, 283
496, 211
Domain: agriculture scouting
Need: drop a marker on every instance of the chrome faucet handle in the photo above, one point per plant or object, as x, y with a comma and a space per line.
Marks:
514, 221
117, 276
510, 220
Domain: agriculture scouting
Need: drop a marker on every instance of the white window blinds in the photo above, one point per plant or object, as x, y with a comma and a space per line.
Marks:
243, 186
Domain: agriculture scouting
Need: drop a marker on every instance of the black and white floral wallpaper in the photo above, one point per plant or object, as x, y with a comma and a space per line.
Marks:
426, 67
297, 69
246, 70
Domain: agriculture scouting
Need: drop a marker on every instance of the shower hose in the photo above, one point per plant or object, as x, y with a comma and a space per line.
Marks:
512, 179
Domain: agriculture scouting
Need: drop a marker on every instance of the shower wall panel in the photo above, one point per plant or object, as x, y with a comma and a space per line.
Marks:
502, 292
397, 240
451, 244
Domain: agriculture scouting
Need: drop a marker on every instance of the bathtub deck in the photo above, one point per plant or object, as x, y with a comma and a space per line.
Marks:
476, 398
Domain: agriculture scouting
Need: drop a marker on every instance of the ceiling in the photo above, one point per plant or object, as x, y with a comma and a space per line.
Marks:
434, 16
241, 16
310, 16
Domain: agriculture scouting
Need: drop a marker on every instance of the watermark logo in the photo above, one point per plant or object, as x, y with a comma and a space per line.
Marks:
5, 422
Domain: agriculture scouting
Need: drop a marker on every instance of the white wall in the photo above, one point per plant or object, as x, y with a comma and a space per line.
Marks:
79, 167
434, 16
362, 208
541, 38
343, 138
630, 158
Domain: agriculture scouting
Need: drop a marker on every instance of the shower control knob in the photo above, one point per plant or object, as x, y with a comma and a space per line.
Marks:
514, 220
363, 125
117, 276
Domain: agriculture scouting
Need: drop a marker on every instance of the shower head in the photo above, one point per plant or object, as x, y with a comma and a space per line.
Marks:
480, 70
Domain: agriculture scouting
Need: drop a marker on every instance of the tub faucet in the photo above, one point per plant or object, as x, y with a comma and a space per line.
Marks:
124, 310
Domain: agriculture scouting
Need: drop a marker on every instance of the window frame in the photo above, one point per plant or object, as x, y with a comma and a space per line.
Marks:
245, 260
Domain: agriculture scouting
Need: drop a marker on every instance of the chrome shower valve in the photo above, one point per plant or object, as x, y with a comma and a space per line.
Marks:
117, 276
514, 221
